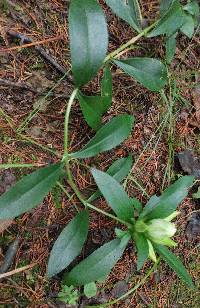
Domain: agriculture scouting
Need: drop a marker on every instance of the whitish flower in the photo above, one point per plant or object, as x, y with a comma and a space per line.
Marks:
160, 231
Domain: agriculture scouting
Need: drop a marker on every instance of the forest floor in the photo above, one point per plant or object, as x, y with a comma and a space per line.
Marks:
157, 137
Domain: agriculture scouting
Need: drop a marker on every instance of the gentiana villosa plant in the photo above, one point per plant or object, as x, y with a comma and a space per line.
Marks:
149, 227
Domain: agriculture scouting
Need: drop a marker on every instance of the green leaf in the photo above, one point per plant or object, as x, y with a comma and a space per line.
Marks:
170, 22
90, 289
118, 170
151, 73
192, 8
69, 243
107, 137
136, 204
96, 265
91, 107
88, 39
166, 204
142, 249
106, 89
69, 295
188, 25
123, 10
29, 191
114, 194
175, 264
136, 12
164, 6
170, 46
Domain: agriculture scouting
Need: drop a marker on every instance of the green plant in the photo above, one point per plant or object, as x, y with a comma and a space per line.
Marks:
86, 33
68, 295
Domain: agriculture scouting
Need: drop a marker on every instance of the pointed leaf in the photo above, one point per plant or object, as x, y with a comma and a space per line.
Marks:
122, 10
142, 249
137, 205
106, 89
164, 6
69, 243
192, 8
151, 73
136, 12
170, 22
188, 25
166, 204
97, 265
170, 46
91, 107
114, 194
29, 191
118, 170
107, 137
87, 29
175, 264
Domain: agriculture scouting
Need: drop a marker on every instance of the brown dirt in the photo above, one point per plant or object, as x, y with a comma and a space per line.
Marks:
39, 228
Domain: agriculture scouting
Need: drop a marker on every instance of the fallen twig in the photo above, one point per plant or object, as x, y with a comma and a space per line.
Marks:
20, 85
17, 270
25, 86
51, 39
42, 52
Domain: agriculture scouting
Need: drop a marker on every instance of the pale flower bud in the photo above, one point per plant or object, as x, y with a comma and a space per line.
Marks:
160, 230
152, 254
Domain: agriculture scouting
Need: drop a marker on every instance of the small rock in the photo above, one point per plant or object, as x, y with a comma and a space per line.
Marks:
120, 288
193, 226
7, 179
189, 162
4, 224
35, 131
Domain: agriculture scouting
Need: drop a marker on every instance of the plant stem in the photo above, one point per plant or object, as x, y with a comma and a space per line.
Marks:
30, 140
107, 214
8, 119
123, 48
131, 291
67, 194
131, 178
7, 166
38, 108
66, 154
170, 104
69, 174
66, 126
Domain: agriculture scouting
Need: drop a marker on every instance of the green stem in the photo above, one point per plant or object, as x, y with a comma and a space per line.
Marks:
107, 214
122, 49
8, 119
69, 174
131, 291
67, 194
66, 126
38, 108
66, 154
7, 166
139, 186
30, 140
170, 104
